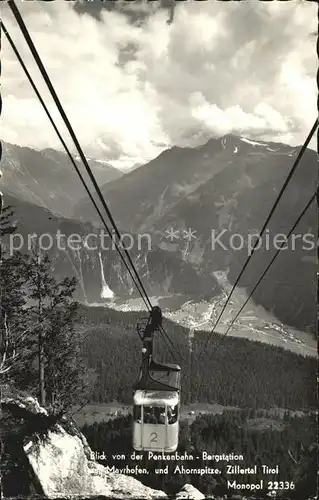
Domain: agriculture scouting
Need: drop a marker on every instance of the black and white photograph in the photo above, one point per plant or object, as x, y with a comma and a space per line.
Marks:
158, 249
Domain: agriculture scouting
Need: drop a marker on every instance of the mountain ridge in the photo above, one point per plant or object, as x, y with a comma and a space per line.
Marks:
46, 177
172, 175
227, 184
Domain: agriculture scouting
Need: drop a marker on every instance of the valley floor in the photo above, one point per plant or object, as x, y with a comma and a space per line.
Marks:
105, 411
254, 323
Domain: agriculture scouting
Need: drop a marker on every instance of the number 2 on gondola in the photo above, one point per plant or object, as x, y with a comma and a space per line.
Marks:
153, 437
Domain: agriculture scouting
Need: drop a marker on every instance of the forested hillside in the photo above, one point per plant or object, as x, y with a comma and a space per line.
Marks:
230, 371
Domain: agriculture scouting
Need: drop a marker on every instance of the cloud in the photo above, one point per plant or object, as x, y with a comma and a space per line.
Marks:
132, 89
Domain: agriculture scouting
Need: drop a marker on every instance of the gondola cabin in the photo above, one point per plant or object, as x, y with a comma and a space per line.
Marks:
156, 421
156, 398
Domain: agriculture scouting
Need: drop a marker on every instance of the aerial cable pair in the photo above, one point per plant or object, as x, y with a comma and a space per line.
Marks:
138, 283
136, 280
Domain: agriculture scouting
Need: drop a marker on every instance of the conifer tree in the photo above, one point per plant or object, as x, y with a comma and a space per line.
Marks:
40, 315
62, 375
12, 328
40, 285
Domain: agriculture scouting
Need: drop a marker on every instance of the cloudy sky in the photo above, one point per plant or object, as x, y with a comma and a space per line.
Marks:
133, 84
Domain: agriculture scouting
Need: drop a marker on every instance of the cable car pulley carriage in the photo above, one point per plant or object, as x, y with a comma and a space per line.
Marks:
156, 396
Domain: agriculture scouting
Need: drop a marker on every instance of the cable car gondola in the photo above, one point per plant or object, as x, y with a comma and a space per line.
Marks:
156, 397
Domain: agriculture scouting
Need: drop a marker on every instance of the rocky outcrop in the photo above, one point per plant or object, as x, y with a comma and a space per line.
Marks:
189, 491
64, 469
61, 459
